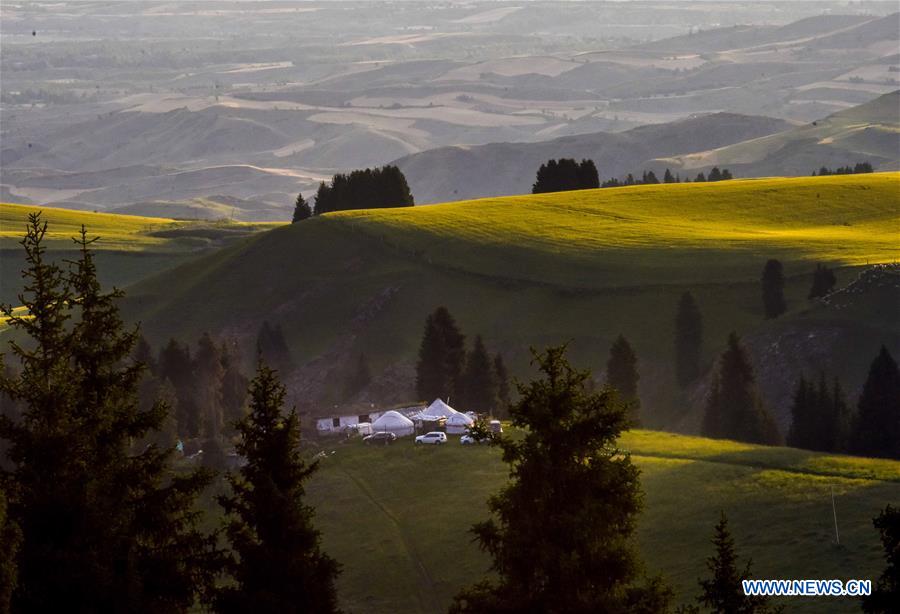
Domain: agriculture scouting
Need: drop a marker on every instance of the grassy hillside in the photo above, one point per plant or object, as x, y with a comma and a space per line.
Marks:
531, 270
130, 247
397, 517
869, 132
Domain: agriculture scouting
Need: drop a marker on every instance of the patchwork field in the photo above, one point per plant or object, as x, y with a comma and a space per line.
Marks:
415, 506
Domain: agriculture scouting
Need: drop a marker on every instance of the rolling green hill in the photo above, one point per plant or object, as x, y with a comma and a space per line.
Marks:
130, 247
869, 132
397, 517
532, 270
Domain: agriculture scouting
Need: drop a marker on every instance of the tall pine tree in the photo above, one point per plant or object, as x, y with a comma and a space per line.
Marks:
479, 381
688, 340
877, 430
773, 300
279, 565
734, 408
442, 356
723, 592
622, 374
560, 536
302, 210
103, 528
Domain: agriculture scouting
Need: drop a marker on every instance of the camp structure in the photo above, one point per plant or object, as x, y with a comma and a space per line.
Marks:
393, 422
458, 423
437, 410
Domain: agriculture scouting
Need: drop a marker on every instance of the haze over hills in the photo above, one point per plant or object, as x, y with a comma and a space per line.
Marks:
535, 270
192, 105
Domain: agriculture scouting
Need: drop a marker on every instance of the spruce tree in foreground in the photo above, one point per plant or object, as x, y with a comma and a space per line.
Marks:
278, 564
723, 592
886, 592
734, 408
560, 536
622, 374
688, 340
877, 430
104, 529
773, 300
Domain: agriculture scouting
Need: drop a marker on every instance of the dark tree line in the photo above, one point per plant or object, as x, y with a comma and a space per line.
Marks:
859, 167
821, 418
876, 426
371, 188
92, 519
650, 178
445, 370
565, 174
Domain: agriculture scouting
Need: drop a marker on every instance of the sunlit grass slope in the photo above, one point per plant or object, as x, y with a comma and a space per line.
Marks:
577, 237
130, 247
397, 518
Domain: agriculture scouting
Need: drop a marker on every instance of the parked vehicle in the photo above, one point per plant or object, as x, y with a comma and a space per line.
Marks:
383, 438
468, 440
434, 438
495, 426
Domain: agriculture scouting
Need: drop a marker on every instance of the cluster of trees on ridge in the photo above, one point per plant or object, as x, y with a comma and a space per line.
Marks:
91, 520
370, 188
859, 167
566, 174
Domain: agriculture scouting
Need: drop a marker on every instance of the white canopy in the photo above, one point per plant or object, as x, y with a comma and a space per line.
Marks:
459, 419
393, 422
439, 409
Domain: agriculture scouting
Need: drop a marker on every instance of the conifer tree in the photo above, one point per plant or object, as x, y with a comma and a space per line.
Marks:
714, 174
103, 528
208, 377
688, 340
360, 377
700, 178
734, 409
823, 281
301, 210
479, 380
877, 430
723, 592
668, 177
175, 365
234, 385
502, 376
560, 535
588, 177
773, 289
442, 355
273, 348
278, 564
622, 374
803, 417
886, 592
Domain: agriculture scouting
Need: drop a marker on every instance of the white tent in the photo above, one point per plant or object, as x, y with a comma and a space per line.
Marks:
458, 423
438, 409
393, 422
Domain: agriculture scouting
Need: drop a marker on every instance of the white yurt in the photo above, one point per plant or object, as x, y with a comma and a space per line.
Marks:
393, 422
438, 409
458, 423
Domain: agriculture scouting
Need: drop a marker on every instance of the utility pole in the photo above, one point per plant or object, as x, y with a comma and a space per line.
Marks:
837, 537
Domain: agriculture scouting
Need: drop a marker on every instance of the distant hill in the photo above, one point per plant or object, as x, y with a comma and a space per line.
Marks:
456, 173
532, 270
869, 132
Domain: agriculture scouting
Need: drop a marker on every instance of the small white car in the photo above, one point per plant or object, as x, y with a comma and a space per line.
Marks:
468, 440
434, 438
